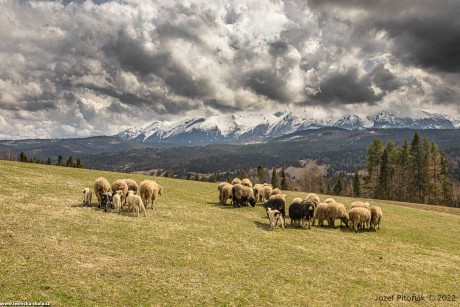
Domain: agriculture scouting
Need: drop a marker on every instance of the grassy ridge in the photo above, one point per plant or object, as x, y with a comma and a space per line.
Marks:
192, 251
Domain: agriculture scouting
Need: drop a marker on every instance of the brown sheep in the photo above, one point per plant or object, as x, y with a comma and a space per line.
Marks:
119, 184
276, 191
132, 185
101, 186
279, 196
376, 217
330, 200
226, 193
320, 214
241, 195
336, 211
296, 200
258, 192
149, 190
246, 182
267, 192
220, 187
357, 216
236, 181
314, 199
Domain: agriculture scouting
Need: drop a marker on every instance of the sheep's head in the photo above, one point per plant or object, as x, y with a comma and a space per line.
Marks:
252, 201
160, 191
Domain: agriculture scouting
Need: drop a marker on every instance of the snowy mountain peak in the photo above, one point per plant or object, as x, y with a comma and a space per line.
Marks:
257, 127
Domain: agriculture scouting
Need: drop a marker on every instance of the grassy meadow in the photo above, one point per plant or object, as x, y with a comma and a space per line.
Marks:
190, 250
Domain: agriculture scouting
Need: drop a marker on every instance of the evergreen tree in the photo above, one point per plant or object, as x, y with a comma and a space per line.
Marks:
48, 162
405, 174
189, 176
446, 182
275, 180
260, 174
197, 177
386, 172
60, 161
22, 157
356, 185
70, 162
213, 178
79, 163
284, 185
243, 174
417, 165
339, 185
374, 157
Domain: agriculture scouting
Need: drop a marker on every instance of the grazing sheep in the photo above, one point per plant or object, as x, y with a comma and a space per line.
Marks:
297, 200
219, 188
336, 211
313, 198
296, 214
258, 192
87, 197
106, 201
308, 209
119, 184
101, 185
149, 190
241, 195
330, 200
279, 196
226, 194
236, 181
279, 205
135, 203
116, 199
274, 216
267, 192
320, 214
376, 217
358, 215
276, 191
132, 185
360, 204
246, 182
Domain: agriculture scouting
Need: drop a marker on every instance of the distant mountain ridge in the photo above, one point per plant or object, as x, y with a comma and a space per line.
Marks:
250, 128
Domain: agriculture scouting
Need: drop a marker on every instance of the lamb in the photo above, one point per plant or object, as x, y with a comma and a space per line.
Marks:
135, 203
101, 186
267, 192
314, 198
246, 182
87, 197
274, 216
106, 201
226, 194
258, 192
132, 185
320, 213
336, 211
236, 181
119, 184
116, 199
241, 195
330, 200
271, 206
376, 216
149, 190
357, 216
276, 191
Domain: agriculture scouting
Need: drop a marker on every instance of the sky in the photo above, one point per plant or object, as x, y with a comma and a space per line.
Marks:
83, 68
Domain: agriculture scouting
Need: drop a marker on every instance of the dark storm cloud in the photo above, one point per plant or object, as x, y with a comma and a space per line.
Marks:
346, 88
278, 48
268, 83
384, 78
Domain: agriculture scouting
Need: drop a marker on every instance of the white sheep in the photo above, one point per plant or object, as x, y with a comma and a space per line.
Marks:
87, 197
116, 200
135, 203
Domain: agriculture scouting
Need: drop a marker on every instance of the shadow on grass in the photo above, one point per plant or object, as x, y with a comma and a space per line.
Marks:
263, 226
219, 205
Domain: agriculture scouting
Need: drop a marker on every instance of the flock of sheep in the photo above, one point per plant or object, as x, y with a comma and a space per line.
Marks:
123, 192
126, 192
308, 210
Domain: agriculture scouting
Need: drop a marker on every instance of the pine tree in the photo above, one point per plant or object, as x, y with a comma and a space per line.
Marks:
60, 161
189, 176
446, 182
260, 174
243, 174
79, 163
356, 185
339, 185
213, 178
70, 162
386, 172
405, 173
48, 162
284, 185
374, 157
22, 157
416, 159
275, 180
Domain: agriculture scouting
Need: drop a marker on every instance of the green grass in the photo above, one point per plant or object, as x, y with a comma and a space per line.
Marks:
191, 251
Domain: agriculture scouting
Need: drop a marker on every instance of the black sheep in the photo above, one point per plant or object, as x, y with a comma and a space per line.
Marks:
106, 201
296, 213
308, 211
278, 205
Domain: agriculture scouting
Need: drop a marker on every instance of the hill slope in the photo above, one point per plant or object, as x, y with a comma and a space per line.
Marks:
192, 251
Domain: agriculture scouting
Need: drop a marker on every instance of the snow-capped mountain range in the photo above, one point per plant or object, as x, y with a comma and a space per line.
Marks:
259, 127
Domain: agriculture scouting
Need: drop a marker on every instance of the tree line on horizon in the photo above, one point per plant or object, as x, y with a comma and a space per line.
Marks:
70, 162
